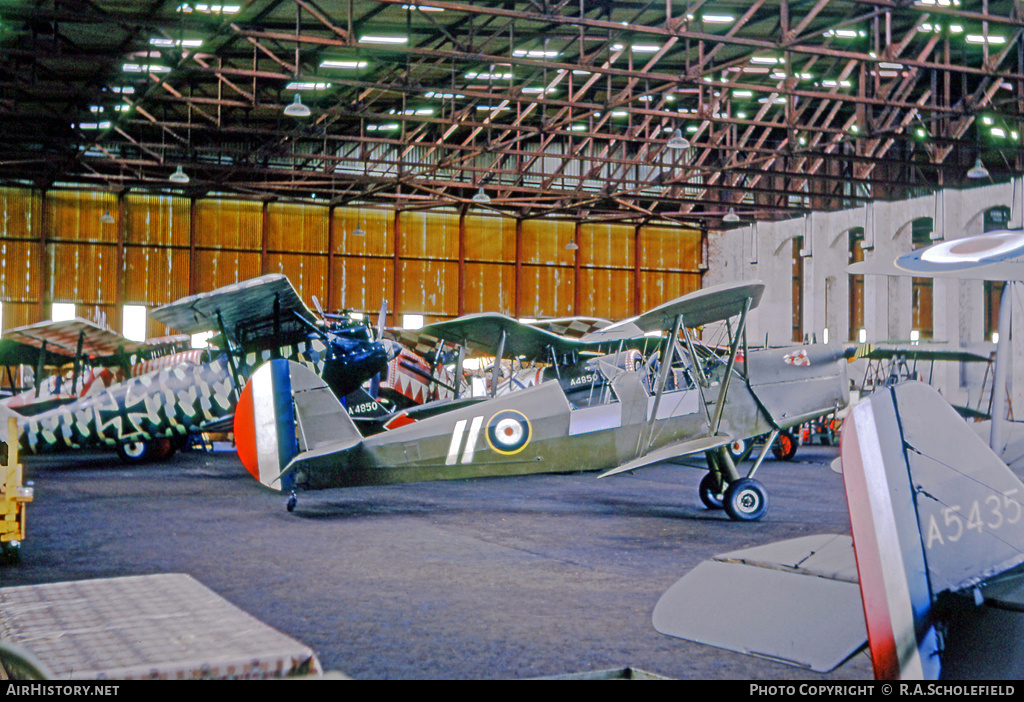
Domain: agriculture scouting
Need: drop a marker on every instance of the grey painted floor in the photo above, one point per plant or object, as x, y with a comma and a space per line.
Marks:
495, 578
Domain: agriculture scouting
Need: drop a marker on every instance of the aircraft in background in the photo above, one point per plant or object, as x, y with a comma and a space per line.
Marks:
255, 320
292, 433
97, 357
933, 567
932, 576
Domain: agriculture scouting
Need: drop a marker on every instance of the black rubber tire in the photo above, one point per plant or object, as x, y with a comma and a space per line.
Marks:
746, 500
135, 452
784, 447
708, 492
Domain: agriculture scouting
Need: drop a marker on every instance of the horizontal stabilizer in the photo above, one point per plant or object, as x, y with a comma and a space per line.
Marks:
676, 450
795, 601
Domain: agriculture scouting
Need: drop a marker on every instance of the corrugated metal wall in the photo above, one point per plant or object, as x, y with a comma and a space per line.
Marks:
62, 247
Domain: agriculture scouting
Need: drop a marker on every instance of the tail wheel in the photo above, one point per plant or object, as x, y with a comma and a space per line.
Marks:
745, 500
710, 491
785, 447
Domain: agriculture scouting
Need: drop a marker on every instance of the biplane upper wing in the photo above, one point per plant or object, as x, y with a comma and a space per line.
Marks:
61, 341
696, 309
917, 353
483, 332
261, 309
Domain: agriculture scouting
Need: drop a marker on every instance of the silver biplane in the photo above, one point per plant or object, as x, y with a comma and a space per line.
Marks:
683, 399
931, 578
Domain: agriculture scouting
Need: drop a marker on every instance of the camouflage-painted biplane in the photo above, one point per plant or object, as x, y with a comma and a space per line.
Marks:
255, 321
682, 399
85, 358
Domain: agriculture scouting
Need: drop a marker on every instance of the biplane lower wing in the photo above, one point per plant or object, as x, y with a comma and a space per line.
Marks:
676, 450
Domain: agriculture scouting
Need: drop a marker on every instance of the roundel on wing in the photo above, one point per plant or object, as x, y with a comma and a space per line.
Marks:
508, 432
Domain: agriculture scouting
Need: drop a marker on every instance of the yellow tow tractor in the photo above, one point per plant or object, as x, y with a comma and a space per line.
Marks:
13, 497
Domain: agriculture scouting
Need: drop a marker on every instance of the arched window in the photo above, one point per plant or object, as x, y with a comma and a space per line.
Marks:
856, 244
995, 218
922, 296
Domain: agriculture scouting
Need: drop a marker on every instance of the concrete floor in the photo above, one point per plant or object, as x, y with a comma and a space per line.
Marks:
495, 578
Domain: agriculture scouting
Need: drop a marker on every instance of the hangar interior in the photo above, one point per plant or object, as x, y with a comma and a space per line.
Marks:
531, 157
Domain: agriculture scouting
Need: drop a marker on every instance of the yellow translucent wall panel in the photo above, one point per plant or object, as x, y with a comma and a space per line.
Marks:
215, 269
548, 291
19, 270
229, 224
153, 220
670, 249
20, 213
659, 287
429, 235
362, 284
74, 215
297, 228
606, 293
490, 287
19, 314
307, 273
428, 288
490, 239
544, 241
155, 275
608, 245
82, 273
378, 227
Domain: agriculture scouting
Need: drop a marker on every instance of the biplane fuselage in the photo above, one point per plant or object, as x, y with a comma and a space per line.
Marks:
538, 429
623, 414
186, 398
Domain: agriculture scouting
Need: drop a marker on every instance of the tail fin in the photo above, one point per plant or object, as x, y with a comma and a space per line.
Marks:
932, 510
284, 409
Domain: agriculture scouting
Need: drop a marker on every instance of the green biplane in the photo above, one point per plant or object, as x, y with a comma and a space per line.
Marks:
683, 398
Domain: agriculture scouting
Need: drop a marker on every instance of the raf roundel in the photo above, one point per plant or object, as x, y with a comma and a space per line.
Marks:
508, 432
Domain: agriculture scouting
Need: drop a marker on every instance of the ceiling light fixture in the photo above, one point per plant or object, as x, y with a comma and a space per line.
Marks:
481, 197
107, 218
358, 231
297, 109
978, 170
179, 176
571, 246
731, 216
678, 141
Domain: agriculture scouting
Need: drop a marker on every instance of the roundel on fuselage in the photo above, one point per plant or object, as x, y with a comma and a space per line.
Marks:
508, 432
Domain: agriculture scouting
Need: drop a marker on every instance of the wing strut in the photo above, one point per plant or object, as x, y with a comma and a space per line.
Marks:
78, 360
733, 348
496, 370
230, 355
40, 366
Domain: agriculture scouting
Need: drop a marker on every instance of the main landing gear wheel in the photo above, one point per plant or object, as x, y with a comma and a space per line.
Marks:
745, 500
293, 500
134, 452
784, 447
710, 491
